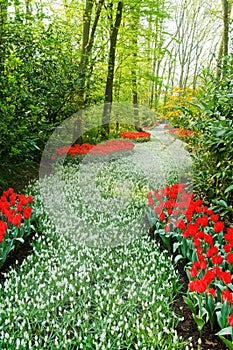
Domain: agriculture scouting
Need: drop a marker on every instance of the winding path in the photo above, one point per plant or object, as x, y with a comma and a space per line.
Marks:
161, 157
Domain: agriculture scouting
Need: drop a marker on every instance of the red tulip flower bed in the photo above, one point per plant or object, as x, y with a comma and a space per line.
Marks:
137, 136
74, 150
181, 132
197, 235
112, 147
15, 213
166, 126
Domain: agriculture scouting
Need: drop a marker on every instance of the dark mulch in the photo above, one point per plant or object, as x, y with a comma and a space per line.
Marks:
18, 256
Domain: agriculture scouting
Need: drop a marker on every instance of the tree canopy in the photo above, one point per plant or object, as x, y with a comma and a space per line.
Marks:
59, 58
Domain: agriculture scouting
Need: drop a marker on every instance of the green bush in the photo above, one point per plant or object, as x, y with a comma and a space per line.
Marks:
212, 149
37, 87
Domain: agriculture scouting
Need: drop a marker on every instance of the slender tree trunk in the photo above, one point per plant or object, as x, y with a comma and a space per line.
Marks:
135, 24
110, 77
28, 7
84, 55
87, 46
135, 99
83, 66
17, 9
224, 46
3, 19
225, 5
157, 58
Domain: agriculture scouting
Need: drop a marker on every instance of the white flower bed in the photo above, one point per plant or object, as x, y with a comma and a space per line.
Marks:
100, 204
72, 297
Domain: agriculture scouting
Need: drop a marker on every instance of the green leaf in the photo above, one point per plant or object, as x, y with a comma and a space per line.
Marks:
176, 246
228, 189
230, 286
225, 331
190, 304
166, 241
178, 258
222, 316
184, 248
200, 322
220, 133
19, 239
227, 342
210, 305
221, 202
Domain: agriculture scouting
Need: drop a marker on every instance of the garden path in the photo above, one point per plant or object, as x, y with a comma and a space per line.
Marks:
153, 158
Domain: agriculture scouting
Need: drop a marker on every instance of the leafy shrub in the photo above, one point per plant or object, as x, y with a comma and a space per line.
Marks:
212, 148
213, 160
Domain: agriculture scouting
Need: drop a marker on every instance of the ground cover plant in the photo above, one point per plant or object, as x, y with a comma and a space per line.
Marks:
67, 295
194, 231
90, 299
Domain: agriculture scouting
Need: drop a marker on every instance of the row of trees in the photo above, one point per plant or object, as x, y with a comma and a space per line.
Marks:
56, 60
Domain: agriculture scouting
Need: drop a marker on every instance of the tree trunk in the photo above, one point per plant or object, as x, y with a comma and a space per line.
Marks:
225, 6
134, 82
135, 99
135, 26
110, 77
224, 46
28, 8
87, 45
3, 19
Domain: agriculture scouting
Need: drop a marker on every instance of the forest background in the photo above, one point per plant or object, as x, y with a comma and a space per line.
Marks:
172, 57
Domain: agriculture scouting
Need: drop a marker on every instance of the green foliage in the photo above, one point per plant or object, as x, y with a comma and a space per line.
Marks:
93, 136
37, 87
42, 67
17, 174
213, 159
212, 148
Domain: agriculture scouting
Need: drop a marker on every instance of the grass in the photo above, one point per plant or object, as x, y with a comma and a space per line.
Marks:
76, 292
